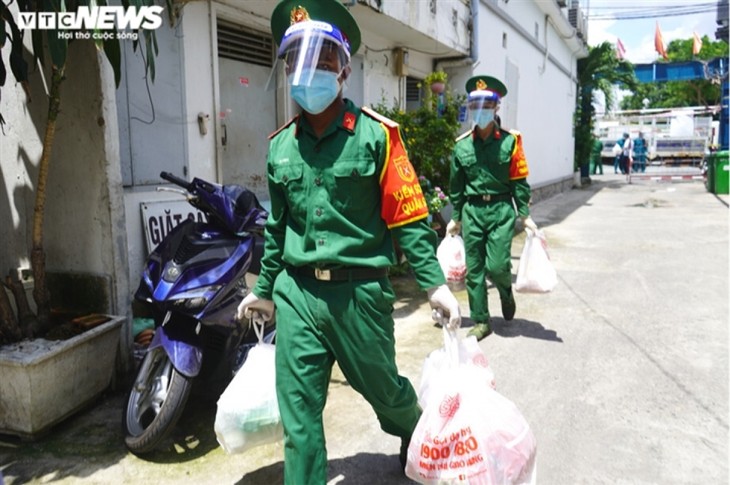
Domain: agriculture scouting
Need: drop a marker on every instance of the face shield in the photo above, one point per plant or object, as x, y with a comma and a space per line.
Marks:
311, 45
482, 105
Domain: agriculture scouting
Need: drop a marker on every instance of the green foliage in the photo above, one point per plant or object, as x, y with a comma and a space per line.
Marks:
429, 133
597, 72
436, 198
435, 77
57, 46
674, 94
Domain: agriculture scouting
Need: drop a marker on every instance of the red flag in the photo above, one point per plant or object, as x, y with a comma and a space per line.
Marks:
659, 42
620, 49
696, 44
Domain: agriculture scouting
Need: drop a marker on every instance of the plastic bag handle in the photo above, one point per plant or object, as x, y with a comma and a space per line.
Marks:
258, 324
451, 345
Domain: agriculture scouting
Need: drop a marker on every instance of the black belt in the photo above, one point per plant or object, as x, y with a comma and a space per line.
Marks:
341, 274
490, 198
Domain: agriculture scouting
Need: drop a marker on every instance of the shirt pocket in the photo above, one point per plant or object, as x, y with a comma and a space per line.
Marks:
290, 178
470, 166
355, 183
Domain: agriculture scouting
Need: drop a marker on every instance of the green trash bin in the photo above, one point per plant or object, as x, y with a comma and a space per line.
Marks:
722, 173
710, 175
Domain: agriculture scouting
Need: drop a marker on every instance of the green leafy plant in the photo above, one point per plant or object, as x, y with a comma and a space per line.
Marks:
436, 198
435, 77
50, 50
597, 72
429, 133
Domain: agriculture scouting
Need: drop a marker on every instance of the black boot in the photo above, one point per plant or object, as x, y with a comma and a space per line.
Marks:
509, 307
403, 456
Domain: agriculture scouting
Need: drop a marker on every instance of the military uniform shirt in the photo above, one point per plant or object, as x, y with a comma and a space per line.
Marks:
330, 200
493, 166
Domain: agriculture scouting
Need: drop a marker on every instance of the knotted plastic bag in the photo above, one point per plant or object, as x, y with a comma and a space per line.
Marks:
468, 432
451, 257
248, 411
536, 273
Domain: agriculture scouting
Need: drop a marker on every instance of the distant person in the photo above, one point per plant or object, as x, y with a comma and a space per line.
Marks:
640, 151
489, 190
618, 147
627, 156
596, 163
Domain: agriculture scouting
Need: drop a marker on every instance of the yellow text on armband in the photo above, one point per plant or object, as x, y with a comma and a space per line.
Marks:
415, 205
407, 191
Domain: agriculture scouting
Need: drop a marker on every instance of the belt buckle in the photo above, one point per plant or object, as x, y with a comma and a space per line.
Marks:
487, 198
322, 274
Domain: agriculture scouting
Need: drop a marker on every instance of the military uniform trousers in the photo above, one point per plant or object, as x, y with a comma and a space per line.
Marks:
319, 322
488, 229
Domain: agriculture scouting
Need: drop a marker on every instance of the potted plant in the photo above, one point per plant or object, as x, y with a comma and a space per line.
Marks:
74, 347
436, 81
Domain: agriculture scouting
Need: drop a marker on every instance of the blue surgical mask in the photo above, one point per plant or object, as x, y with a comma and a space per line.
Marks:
321, 91
482, 117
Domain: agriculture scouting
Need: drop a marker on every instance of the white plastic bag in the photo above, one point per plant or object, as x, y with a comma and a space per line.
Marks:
468, 432
535, 274
451, 256
461, 352
248, 412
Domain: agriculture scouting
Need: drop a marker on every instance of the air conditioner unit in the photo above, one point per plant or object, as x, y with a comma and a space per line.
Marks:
577, 19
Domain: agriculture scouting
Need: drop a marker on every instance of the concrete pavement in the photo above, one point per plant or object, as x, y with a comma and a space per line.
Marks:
621, 371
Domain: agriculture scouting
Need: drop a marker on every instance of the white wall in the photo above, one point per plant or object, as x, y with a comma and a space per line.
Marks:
197, 66
80, 230
545, 93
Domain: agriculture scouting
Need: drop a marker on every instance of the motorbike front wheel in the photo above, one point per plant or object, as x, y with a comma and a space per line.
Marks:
156, 402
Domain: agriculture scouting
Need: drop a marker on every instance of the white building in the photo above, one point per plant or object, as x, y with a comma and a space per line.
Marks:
208, 113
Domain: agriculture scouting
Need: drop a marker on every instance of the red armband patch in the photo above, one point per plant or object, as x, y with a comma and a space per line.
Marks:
518, 163
401, 194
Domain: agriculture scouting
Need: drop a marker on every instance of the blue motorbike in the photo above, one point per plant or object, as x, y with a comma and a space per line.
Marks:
192, 284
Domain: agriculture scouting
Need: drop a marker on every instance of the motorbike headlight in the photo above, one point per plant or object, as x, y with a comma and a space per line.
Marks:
171, 273
197, 298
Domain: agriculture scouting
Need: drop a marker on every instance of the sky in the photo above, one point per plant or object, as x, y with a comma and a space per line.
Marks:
637, 35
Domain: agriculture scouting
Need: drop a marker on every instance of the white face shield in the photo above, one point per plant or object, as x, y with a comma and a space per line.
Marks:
311, 45
482, 106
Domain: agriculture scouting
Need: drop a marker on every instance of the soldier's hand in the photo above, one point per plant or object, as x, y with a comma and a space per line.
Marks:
253, 306
443, 303
453, 228
528, 223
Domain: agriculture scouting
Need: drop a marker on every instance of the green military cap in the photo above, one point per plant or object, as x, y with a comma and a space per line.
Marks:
486, 83
289, 12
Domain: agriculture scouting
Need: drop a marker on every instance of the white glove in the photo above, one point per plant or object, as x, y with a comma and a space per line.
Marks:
453, 227
254, 307
528, 223
443, 303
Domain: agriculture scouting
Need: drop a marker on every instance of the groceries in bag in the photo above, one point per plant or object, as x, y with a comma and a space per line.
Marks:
248, 411
451, 256
536, 273
468, 432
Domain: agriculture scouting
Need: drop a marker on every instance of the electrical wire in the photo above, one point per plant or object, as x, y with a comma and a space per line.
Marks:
633, 13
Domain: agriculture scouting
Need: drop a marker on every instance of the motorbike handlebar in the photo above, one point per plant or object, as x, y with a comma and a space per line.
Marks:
176, 180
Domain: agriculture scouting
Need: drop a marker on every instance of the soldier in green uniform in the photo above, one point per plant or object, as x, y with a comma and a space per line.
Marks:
342, 191
488, 173
596, 162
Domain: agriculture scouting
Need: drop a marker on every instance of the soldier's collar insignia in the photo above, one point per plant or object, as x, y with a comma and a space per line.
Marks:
481, 85
298, 14
348, 121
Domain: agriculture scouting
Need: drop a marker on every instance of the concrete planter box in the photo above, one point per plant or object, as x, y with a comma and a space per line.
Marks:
44, 382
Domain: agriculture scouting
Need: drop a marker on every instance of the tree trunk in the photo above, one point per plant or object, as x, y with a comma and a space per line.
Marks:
9, 329
37, 255
26, 318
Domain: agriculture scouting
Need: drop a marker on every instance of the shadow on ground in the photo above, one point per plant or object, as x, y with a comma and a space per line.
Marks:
362, 468
519, 327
